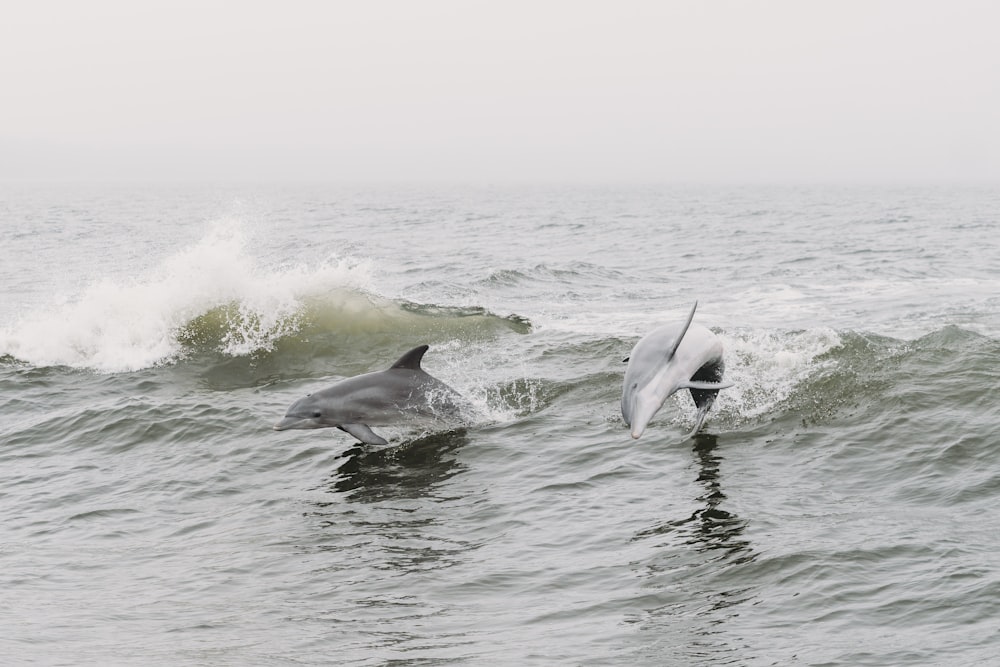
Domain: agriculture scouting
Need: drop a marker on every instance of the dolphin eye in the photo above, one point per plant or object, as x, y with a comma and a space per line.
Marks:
317, 415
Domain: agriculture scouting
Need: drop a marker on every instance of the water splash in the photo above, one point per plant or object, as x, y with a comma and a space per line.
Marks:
767, 366
497, 385
118, 325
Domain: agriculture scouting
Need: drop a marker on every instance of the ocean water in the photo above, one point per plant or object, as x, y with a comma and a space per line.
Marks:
839, 507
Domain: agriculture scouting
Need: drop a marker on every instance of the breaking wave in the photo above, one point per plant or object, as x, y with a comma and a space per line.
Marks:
214, 296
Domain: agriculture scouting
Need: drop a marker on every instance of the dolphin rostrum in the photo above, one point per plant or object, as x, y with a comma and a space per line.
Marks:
402, 394
667, 359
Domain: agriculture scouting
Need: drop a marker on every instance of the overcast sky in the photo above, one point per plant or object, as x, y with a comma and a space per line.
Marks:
464, 90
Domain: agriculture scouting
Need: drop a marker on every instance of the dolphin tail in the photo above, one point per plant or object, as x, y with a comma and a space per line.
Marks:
702, 413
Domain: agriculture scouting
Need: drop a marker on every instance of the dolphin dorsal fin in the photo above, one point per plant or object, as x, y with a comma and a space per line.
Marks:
684, 330
411, 359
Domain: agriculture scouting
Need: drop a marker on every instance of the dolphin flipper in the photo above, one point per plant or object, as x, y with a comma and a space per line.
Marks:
363, 433
709, 386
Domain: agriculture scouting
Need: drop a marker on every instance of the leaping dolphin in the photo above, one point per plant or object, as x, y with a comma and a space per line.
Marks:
668, 359
402, 394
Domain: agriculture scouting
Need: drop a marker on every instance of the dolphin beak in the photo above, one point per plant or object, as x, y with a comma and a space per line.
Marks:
298, 423
285, 424
641, 416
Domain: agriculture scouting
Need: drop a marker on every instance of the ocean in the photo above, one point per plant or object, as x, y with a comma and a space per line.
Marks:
838, 508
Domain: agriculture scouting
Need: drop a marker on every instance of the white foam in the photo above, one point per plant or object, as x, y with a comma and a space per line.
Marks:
767, 365
128, 324
477, 373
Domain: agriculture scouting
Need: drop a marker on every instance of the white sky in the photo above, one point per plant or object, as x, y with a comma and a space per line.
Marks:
466, 90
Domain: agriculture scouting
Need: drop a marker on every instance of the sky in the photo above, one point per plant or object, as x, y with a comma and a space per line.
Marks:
764, 91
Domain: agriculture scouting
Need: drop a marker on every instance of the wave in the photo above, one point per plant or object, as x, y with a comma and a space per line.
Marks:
213, 296
872, 379
572, 273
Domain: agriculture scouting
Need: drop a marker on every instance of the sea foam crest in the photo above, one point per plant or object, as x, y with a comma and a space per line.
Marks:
767, 365
494, 382
119, 325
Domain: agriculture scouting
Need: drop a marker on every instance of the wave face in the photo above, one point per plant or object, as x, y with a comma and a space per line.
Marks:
215, 297
836, 508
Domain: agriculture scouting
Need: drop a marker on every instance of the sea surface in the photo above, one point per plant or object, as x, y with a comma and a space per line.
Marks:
840, 507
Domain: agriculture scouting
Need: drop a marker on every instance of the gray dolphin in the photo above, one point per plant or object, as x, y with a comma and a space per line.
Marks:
667, 359
402, 394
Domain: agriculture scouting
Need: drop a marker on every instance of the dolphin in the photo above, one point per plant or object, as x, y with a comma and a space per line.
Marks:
667, 359
403, 393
